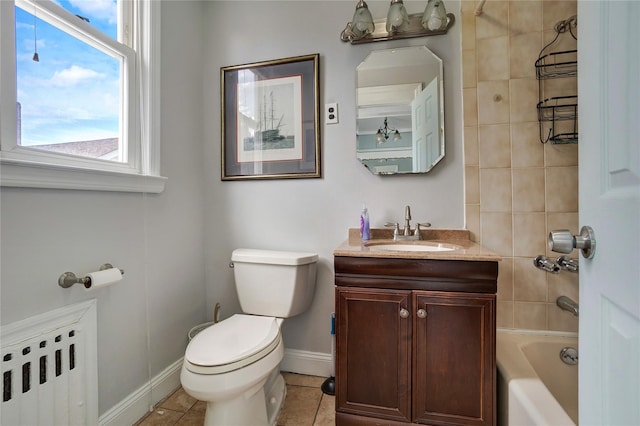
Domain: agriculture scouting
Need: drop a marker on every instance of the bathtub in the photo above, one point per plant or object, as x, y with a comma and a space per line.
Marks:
535, 387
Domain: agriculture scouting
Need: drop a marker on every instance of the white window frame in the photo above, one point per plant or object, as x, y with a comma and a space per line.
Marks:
28, 167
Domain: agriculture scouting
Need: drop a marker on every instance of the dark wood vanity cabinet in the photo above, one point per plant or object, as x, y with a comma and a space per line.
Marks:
415, 341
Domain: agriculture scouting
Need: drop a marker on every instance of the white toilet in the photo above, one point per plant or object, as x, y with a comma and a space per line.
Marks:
234, 364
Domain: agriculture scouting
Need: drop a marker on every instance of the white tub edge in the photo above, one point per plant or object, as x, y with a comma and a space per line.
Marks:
523, 383
530, 394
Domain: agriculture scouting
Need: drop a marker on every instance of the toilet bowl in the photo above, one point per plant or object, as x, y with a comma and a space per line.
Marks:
234, 365
233, 380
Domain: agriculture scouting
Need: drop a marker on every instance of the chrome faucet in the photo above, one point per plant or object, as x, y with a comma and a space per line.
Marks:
407, 221
406, 233
567, 304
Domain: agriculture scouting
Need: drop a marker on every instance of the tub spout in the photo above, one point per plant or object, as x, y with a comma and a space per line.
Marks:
567, 304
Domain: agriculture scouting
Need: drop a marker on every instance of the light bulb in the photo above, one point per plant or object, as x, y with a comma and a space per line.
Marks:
362, 20
397, 17
434, 23
435, 16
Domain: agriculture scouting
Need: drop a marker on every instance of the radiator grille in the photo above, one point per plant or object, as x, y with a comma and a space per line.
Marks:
49, 367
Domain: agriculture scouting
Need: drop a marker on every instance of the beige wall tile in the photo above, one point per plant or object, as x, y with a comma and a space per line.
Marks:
468, 30
493, 102
530, 238
560, 87
495, 190
529, 282
469, 78
494, 145
470, 105
472, 221
562, 189
557, 10
525, 16
468, 7
505, 279
504, 314
471, 153
530, 315
524, 98
526, 149
543, 176
493, 22
496, 232
472, 184
565, 127
528, 189
523, 52
560, 320
563, 43
563, 284
563, 221
493, 55
560, 154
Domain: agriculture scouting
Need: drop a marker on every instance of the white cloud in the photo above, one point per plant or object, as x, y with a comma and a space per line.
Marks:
100, 9
73, 76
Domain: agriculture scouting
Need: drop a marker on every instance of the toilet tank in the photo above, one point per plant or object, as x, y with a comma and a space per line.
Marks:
274, 283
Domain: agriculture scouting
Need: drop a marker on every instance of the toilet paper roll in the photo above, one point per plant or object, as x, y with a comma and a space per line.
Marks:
103, 278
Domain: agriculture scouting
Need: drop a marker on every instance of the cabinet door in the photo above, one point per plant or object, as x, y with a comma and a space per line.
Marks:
373, 346
454, 359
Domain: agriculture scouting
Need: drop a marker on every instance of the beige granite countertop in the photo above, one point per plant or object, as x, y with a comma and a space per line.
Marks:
469, 250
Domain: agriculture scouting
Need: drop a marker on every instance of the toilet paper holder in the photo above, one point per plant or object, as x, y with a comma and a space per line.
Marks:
68, 279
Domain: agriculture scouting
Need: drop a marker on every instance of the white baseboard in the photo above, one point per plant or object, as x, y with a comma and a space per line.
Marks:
304, 362
137, 404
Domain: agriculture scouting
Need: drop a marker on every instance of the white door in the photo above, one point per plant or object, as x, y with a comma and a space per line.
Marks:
609, 157
425, 128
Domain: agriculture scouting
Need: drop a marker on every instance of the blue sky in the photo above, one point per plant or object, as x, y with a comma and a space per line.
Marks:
72, 93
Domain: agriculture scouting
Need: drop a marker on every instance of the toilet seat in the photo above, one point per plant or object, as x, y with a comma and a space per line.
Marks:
232, 344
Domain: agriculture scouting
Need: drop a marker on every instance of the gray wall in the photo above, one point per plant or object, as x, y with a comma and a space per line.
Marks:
175, 246
157, 239
314, 214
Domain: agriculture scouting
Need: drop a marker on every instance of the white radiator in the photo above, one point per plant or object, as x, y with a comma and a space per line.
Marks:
50, 368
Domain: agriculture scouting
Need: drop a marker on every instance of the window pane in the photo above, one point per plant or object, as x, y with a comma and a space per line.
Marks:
70, 100
102, 14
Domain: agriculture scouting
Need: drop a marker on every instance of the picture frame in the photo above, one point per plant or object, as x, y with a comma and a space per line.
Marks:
270, 119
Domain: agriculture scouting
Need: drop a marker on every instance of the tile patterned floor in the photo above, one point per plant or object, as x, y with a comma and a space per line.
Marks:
305, 405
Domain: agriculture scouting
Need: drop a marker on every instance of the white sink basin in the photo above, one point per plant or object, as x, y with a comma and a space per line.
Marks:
398, 246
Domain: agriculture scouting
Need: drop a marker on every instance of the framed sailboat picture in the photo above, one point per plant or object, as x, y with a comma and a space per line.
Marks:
270, 125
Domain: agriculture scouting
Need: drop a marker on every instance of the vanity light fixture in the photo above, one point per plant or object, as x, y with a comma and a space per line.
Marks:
361, 24
384, 132
398, 24
397, 17
435, 16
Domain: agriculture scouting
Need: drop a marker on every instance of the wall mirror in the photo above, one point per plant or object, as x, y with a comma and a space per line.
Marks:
400, 111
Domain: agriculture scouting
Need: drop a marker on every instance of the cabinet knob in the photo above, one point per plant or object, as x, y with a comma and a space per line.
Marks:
422, 313
404, 313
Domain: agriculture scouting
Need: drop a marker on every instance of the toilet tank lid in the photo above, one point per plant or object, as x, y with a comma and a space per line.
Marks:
274, 257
